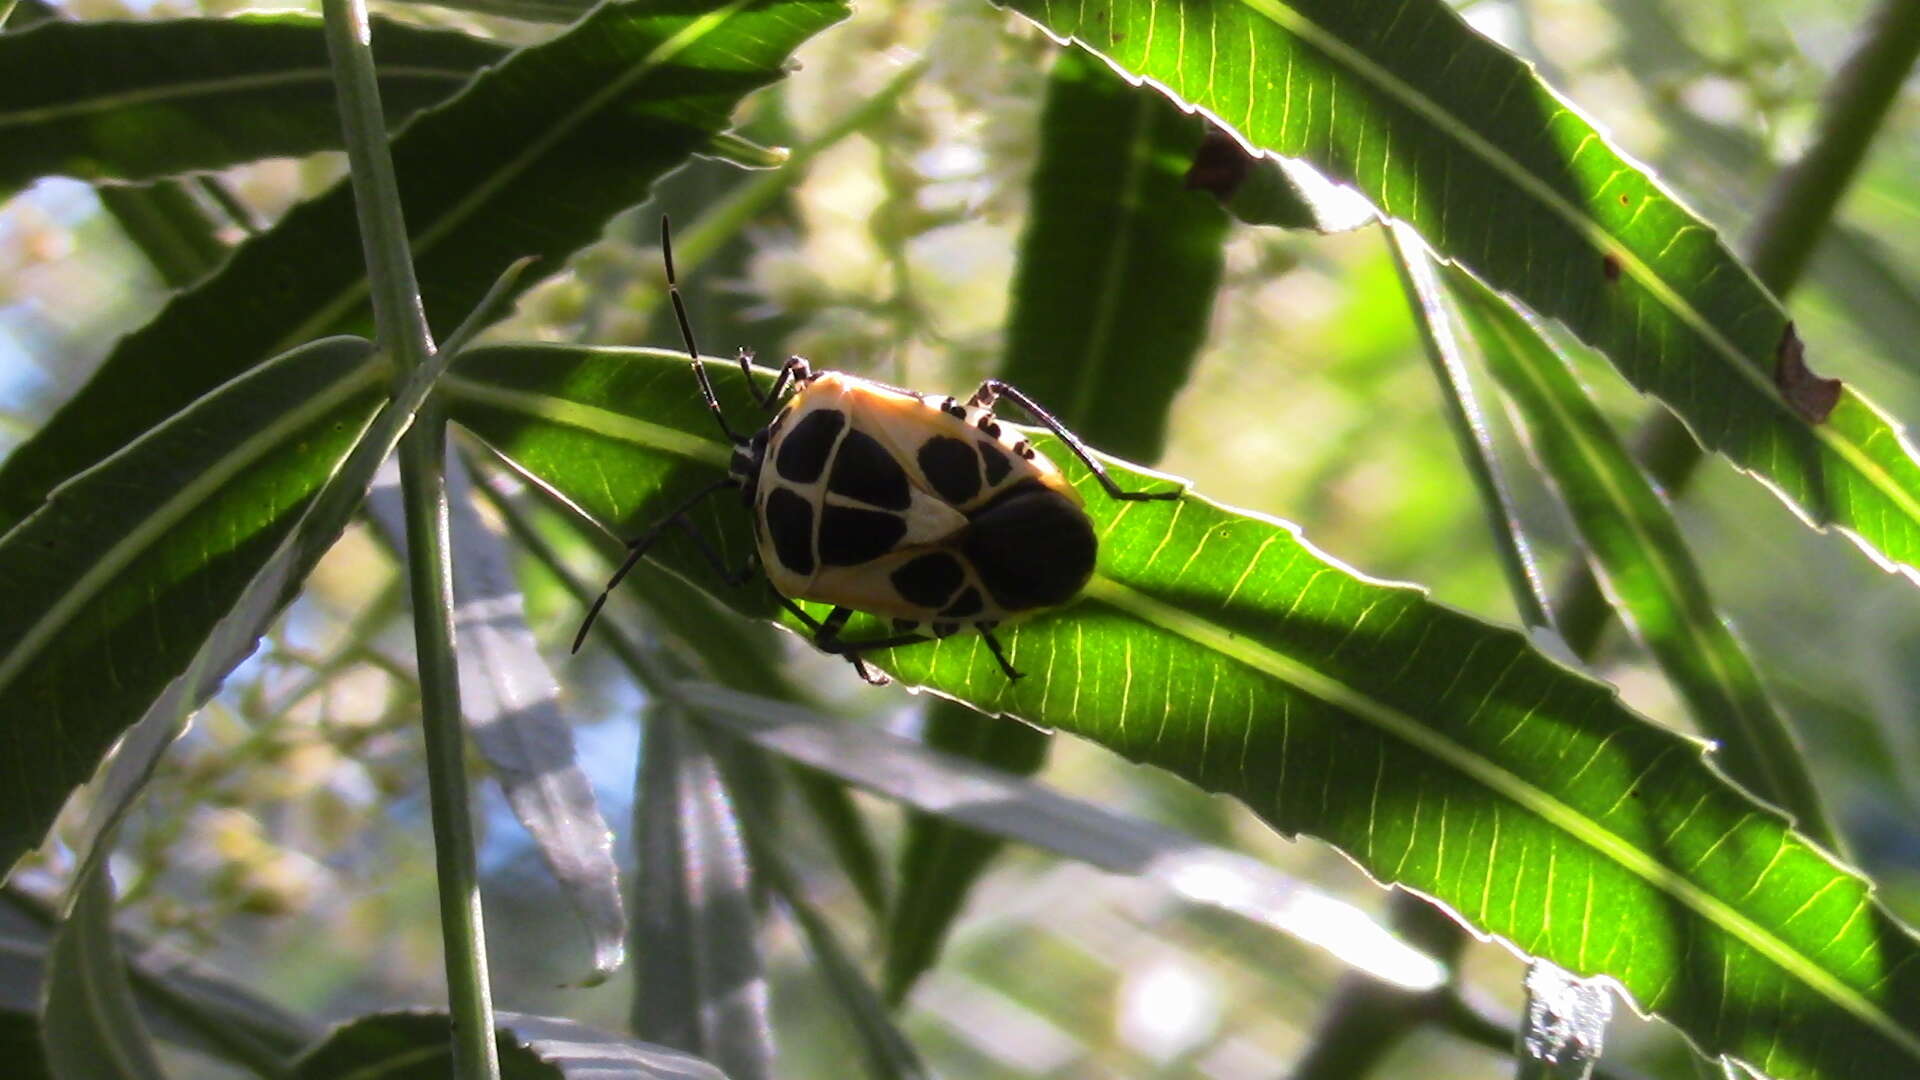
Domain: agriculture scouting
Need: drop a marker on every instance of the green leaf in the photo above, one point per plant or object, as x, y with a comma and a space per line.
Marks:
118, 579
414, 1046
939, 860
889, 1055
994, 803
1440, 752
699, 983
736, 653
1637, 549
139, 100
532, 159
1448, 132
551, 11
181, 999
511, 706
20, 1045
1118, 269
90, 1025
1119, 262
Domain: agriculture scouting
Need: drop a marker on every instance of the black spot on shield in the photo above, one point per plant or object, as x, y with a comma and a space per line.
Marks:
864, 470
790, 520
1031, 547
929, 579
951, 467
995, 461
803, 453
849, 537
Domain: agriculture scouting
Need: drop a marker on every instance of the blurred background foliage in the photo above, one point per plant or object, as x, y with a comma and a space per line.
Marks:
285, 838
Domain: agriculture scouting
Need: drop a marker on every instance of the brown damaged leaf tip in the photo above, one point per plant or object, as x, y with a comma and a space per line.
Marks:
1810, 395
1220, 166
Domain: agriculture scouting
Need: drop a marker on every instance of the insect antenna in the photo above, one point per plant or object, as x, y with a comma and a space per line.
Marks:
686, 334
637, 549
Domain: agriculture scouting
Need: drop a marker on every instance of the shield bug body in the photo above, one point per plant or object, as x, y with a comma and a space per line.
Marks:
921, 509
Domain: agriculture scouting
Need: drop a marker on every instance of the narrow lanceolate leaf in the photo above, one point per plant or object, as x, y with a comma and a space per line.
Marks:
117, 580
1119, 262
1440, 752
414, 1046
89, 1023
552, 11
888, 1053
1641, 557
137, 100
531, 159
1118, 268
1448, 132
699, 983
511, 705
181, 999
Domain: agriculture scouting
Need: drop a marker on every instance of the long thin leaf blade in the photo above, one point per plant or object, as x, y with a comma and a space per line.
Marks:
117, 580
414, 1046
91, 1027
531, 159
139, 100
511, 704
1637, 549
1440, 752
1445, 130
699, 981
1118, 268
181, 999
1119, 262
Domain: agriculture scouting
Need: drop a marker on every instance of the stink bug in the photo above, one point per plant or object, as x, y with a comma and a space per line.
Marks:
921, 509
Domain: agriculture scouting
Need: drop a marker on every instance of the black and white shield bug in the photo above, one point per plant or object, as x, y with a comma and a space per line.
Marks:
924, 510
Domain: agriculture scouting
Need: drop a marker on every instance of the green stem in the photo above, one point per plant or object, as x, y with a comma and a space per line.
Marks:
1468, 425
1798, 208
402, 327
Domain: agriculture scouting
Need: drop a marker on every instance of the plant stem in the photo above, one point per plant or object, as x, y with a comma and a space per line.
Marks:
1798, 208
402, 327
1468, 424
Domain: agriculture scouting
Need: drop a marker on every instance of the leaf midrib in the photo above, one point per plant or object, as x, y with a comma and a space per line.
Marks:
217, 87
1391, 721
423, 241
1107, 302
1515, 788
1592, 231
187, 498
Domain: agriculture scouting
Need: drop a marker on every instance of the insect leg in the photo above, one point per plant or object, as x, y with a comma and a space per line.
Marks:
794, 371
637, 549
993, 645
686, 334
993, 389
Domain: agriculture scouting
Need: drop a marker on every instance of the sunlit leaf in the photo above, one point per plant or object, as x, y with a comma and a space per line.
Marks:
1118, 268
1642, 559
1440, 752
1443, 129
118, 579
530, 160
115, 100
